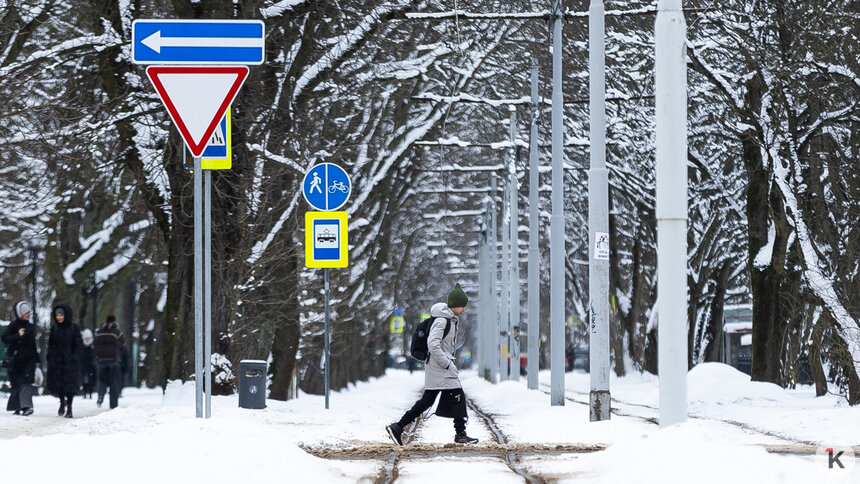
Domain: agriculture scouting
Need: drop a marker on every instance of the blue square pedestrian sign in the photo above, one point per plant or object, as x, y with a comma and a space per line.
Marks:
326, 244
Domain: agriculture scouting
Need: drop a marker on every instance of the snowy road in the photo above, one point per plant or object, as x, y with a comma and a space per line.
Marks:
523, 438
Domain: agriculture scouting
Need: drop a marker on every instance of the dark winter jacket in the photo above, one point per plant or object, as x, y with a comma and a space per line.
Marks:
107, 343
64, 354
24, 366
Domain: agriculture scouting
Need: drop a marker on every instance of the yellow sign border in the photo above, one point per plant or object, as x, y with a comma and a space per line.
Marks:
222, 163
312, 263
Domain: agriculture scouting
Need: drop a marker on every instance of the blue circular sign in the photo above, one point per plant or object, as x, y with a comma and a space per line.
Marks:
326, 187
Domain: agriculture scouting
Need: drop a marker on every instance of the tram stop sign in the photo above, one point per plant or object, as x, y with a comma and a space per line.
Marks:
326, 240
326, 187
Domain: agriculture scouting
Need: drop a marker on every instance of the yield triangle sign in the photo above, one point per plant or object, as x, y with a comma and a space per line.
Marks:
197, 98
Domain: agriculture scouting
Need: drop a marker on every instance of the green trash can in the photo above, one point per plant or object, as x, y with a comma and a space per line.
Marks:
252, 384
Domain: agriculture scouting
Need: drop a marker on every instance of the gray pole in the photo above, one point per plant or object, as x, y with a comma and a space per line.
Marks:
534, 239
504, 316
557, 255
207, 288
598, 220
483, 279
198, 285
327, 340
494, 282
671, 142
514, 279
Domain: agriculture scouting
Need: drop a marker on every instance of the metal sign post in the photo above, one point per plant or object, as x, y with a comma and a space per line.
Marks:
198, 285
327, 354
326, 187
202, 64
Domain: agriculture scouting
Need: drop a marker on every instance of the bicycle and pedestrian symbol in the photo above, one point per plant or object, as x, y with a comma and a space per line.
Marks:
326, 187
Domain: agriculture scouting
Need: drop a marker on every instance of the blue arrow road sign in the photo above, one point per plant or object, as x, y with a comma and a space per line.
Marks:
198, 42
326, 187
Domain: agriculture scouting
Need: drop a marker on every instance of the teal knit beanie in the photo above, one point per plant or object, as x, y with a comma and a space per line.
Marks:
457, 297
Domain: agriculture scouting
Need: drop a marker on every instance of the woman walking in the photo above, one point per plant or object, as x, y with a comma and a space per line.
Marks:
20, 340
64, 356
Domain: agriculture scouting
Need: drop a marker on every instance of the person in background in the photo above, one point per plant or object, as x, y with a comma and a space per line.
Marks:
64, 358
88, 364
108, 343
20, 340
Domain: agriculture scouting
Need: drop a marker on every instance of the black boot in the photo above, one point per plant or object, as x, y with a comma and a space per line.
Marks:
62, 410
462, 438
395, 431
69, 407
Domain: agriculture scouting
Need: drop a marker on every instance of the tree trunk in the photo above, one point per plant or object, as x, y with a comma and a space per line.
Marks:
714, 328
286, 340
815, 365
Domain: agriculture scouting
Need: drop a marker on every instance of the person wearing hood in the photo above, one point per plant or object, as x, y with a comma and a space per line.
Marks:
88, 364
440, 371
20, 340
64, 356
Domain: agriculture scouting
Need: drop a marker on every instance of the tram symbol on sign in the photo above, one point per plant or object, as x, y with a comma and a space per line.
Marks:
326, 237
326, 244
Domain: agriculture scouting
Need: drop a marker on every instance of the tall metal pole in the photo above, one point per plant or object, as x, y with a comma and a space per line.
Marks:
483, 309
504, 313
534, 239
671, 110
514, 279
557, 275
327, 340
207, 289
494, 282
198, 285
598, 220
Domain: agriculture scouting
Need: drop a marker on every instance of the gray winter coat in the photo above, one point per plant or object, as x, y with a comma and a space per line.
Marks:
440, 372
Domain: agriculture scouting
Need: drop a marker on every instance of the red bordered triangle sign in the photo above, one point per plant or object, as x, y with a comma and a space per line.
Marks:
197, 98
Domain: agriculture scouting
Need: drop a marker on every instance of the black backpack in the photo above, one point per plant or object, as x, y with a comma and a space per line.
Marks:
418, 347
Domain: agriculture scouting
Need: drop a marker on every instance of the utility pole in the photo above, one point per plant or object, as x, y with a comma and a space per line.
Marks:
671, 109
514, 292
504, 313
494, 302
534, 238
484, 329
557, 276
598, 221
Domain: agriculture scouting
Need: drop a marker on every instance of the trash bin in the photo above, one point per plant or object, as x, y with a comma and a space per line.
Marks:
252, 384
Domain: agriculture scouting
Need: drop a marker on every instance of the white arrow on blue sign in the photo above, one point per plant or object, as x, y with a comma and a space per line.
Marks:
198, 42
326, 187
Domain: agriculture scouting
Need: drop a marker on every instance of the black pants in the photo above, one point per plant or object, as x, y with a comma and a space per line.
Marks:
426, 401
110, 375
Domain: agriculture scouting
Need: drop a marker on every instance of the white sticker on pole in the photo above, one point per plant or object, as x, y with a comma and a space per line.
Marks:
601, 246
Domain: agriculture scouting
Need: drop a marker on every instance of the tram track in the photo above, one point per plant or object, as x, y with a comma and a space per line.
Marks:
511, 460
622, 408
393, 457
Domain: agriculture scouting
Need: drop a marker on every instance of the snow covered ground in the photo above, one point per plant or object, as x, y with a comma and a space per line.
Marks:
156, 437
